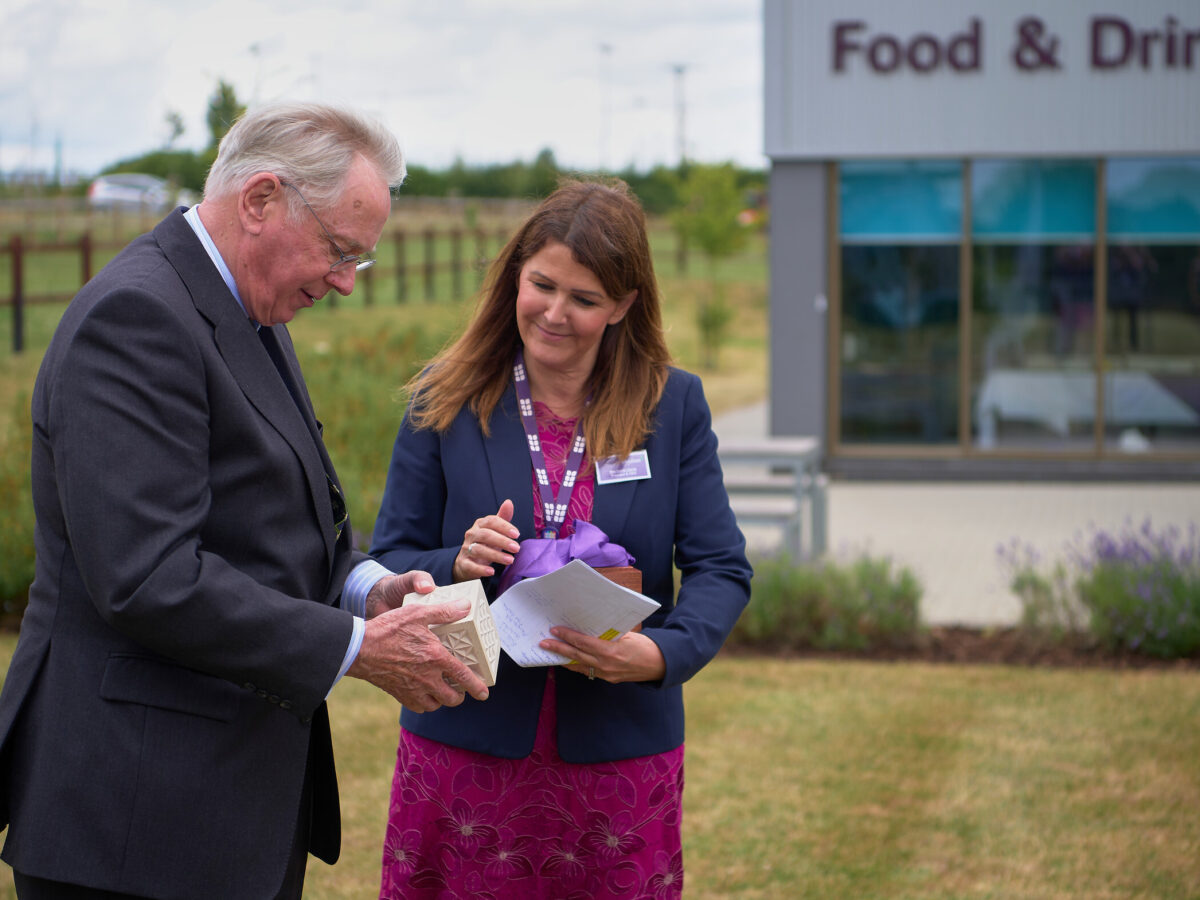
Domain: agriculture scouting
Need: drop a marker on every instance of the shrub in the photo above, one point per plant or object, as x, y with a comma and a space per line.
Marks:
860, 605
354, 380
1050, 609
1137, 589
1143, 589
16, 499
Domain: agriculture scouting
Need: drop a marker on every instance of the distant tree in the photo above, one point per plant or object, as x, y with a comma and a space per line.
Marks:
658, 189
544, 175
223, 111
708, 221
175, 127
422, 181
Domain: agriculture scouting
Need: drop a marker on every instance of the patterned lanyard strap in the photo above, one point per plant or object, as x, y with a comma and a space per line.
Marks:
554, 508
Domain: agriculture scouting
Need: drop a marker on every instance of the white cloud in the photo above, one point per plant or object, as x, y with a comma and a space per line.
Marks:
480, 80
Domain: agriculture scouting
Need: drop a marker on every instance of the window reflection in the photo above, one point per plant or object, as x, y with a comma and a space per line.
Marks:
1033, 383
900, 344
901, 224
1152, 333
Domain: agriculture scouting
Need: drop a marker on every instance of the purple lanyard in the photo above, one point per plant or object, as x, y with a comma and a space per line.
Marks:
554, 508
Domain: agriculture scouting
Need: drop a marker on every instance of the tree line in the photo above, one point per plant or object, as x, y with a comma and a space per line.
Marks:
662, 189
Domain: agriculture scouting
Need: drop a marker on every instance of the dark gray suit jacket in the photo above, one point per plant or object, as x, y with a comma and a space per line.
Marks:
182, 628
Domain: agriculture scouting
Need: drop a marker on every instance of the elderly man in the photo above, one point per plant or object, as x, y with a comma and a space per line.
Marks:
163, 728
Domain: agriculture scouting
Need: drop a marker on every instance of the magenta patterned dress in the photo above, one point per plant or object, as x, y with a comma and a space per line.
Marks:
465, 825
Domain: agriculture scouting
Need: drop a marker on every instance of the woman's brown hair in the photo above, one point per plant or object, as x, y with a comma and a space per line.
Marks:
603, 225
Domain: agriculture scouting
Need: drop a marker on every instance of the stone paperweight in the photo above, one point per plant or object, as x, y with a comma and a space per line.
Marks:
473, 638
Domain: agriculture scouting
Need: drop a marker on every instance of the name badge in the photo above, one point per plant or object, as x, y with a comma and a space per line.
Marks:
635, 467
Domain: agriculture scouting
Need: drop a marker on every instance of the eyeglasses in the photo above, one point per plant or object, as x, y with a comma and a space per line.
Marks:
360, 261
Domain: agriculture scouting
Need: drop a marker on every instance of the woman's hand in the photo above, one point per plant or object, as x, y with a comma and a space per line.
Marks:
634, 657
491, 541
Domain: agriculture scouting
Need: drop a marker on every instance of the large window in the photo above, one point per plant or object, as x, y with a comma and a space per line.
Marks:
1075, 285
900, 228
1152, 327
1033, 230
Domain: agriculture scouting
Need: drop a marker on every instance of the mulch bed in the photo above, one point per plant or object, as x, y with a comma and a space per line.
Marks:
994, 646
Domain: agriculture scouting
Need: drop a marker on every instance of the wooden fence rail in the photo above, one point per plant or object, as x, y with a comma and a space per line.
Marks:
460, 253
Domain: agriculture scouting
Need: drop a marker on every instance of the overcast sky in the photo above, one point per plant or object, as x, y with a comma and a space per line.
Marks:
485, 81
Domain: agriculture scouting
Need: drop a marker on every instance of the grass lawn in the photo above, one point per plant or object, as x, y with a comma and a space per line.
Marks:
837, 779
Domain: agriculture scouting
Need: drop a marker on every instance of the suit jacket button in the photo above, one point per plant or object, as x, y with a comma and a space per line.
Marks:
285, 704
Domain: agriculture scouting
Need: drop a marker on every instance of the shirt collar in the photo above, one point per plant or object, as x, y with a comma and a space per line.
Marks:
192, 217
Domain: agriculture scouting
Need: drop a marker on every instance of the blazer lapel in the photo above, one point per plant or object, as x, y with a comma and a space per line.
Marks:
612, 505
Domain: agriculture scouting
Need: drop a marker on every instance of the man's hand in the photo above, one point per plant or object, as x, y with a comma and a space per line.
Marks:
389, 592
401, 656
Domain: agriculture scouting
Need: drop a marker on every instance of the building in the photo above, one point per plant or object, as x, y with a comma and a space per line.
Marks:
985, 235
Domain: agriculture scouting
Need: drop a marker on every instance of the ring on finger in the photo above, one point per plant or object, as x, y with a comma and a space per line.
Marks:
471, 549
591, 673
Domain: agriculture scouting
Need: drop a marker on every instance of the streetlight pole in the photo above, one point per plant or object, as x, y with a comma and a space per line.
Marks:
605, 103
680, 70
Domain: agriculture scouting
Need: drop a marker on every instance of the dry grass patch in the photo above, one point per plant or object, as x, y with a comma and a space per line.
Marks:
916, 781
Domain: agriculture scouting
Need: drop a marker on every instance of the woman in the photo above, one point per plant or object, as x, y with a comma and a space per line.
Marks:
567, 782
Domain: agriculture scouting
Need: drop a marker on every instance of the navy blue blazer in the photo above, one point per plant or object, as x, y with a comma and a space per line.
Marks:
439, 484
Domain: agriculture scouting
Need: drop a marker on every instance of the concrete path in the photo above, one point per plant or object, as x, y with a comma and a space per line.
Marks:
948, 532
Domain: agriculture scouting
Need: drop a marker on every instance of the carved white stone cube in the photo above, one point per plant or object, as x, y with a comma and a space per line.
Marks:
473, 638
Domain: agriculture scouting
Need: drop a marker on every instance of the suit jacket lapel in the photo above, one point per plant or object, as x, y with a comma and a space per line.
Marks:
238, 343
610, 510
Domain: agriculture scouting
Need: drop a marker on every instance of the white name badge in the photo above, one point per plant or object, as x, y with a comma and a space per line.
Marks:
635, 467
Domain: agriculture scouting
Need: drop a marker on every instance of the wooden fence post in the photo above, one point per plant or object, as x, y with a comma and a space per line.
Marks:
368, 282
456, 261
85, 252
18, 295
429, 265
401, 267
481, 256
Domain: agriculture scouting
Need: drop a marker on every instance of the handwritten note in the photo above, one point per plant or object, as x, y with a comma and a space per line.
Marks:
575, 596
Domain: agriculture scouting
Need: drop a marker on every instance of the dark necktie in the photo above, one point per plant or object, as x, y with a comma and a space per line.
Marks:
267, 335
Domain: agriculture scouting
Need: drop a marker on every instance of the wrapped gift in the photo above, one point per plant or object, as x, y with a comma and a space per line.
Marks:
625, 576
473, 638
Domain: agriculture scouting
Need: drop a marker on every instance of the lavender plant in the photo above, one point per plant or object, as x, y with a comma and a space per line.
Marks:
1143, 589
1138, 589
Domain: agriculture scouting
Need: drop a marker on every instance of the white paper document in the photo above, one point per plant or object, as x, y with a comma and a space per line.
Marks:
575, 596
